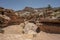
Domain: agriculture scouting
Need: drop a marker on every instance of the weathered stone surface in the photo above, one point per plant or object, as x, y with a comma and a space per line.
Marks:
29, 26
10, 16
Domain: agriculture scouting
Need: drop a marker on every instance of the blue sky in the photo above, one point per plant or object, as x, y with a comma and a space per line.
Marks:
20, 4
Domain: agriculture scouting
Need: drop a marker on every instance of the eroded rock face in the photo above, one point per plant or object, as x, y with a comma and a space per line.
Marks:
9, 17
3, 22
26, 28
30, 27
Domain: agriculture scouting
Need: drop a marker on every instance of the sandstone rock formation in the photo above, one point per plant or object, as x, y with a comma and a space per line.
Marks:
10, 17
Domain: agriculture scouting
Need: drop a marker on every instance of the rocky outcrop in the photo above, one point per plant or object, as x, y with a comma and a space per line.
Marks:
8, 17
30, 28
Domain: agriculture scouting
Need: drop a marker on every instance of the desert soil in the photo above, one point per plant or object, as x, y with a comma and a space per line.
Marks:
39, 36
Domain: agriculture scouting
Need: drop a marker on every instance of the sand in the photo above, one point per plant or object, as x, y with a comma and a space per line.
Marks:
39, 36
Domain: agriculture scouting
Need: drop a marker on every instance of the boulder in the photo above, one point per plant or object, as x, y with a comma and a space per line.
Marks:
29, 26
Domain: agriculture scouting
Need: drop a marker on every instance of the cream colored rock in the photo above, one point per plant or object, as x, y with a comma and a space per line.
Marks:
5, 17
22, 25
29, 26
31, 32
